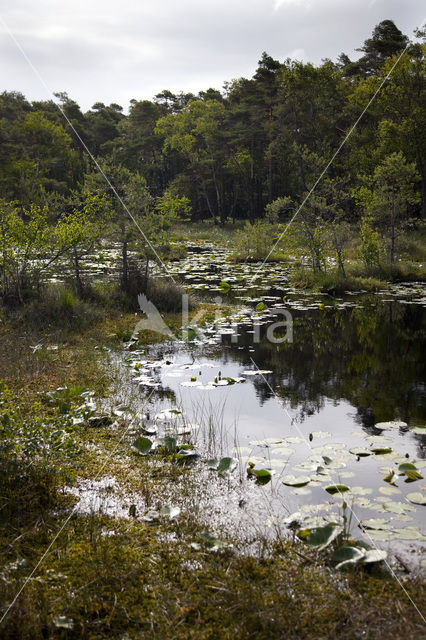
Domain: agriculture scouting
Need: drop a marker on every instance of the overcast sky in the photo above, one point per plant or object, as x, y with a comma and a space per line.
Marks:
115, 50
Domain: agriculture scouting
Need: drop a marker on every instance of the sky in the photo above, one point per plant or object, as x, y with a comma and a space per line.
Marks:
118, 50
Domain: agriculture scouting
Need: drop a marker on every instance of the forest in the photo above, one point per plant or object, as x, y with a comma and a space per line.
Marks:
252, 152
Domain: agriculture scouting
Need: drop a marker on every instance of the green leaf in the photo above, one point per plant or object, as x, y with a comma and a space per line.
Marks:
374, 555
389, 477
142, 446
336, 488
263, 476
261, 306
347, 555
416, 498
186, 455
412, 475
170, 443
227, 465
360, 452
293, 481
379, 451
393, 424
419, 430
321, 537
406, 466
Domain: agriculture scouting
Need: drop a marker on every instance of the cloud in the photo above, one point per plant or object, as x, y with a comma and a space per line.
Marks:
113, 51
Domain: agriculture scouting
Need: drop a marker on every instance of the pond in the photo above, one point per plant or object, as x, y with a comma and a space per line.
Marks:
335, 412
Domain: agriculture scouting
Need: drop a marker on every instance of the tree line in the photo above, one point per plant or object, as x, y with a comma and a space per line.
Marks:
250, 152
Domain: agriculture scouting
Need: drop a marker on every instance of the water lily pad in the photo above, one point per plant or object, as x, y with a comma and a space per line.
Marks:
380, 451
374, 555
419, 430
263, 476
360, 491
412, 475
398, 507
407, 466
283, 451
336, 488
393, 424
380, 536
416, 498
321, 434
363, 453
388, 491
293, 481
376, 523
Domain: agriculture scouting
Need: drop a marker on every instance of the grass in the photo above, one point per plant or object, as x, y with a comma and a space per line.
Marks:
358, 277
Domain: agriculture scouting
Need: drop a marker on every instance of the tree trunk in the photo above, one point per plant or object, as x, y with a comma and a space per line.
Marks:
125, 274
78, 282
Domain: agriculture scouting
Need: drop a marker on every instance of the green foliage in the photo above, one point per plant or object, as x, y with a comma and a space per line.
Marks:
28, 437
370, 247
169, 210
31, 245
254, 242
277, 209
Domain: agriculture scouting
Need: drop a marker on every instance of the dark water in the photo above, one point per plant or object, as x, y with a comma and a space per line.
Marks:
347, 369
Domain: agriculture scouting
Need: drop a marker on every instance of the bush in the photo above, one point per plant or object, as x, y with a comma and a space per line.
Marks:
58, 306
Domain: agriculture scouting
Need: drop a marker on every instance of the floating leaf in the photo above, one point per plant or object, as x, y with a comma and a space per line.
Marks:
420, 430
360, 452
407, 466
393, 424
336, 488
293, 481
389, 478
380, 451
388, 491
374, 555
416, 498
412, 475
261, 306
263, 476
375, 523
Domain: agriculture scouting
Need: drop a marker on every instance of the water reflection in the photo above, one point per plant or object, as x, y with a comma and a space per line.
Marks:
372, 357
